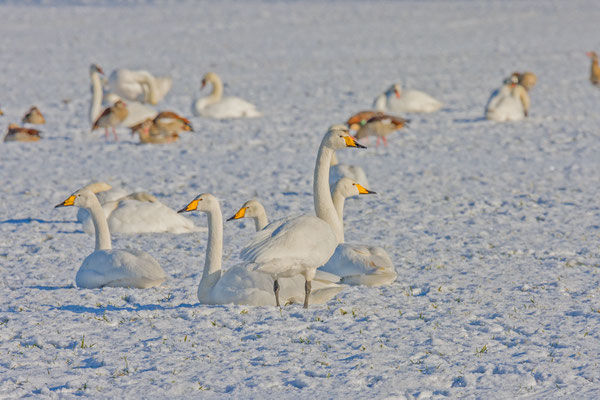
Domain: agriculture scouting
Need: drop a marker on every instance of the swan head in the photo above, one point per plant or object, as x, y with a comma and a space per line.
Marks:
83, 198
97, 187
210, 77
338, 137
203, 202
395, 89
346, 187
250, 209
96, 68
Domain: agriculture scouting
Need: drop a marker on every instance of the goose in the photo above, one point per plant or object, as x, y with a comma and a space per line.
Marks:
217, 106
111, 117
240, 285
150, 132
509, 103
138, 85
300, 244
137, 112
360, 118
354, 264
34, 116
15, 133
527, 79
132, 213
380, 126
107, 266
338, 171
411, 101
595, 70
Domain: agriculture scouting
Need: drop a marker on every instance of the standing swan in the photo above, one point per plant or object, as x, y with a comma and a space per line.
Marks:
238, 284
137, 112
108, 267
217, 106
301, 244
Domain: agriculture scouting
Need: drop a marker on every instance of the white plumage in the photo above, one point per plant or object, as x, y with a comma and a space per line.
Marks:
217, 106
395, 100
107, 266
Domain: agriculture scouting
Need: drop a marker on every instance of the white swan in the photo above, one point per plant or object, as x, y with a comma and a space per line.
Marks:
509, 103
138, 85
339, 171
301, 244
354, 264
107, 266
132, 213
137, 112
238, 284
358, 264
394, 99
217, 106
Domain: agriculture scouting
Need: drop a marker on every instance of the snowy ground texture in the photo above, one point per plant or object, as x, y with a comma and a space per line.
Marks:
494, 228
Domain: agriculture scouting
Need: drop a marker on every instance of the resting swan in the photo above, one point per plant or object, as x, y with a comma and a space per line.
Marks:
138, 212
395, 100
137, 112
339, 171
217, 106
509, 103
238, 284
107, 266
138, 85
301, 244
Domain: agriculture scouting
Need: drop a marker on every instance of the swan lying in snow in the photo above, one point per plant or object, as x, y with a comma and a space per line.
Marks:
354, 264
107, 266
395, 100
238, 284
338, 171
217, 106
299, 245
509, 103
138, 212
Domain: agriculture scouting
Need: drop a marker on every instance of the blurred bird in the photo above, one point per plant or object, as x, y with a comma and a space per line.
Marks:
527, 79
34, 116
111, 117
381, 126
15, 133
150, 132
595, 71
360, 118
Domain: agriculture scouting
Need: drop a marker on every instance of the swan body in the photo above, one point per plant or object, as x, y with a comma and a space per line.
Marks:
107, 266
299, 245
509, 103
138, 212
217, 106
240, 285
138, 85
395, 100
338, 171
357, 264
137, 112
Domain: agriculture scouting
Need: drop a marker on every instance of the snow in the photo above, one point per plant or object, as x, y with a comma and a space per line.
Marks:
493, 227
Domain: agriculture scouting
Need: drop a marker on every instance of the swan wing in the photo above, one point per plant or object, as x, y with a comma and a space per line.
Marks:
126, 268
134, 216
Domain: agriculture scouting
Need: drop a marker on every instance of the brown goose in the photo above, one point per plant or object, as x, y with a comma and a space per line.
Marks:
111, 117
381, 126
15, 133
34, 116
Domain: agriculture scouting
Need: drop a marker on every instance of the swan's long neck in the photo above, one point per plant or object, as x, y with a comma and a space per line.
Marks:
150, 82
97, 94
260, 221
217, 91
214, 253
380, 102
324, 207
100, 226
338, 203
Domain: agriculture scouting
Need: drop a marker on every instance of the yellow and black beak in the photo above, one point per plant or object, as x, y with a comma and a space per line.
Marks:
240, 214
362, 190
190, 207
351, 142
68, 202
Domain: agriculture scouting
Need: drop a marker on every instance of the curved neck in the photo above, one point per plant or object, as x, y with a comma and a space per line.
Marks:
322, 196
260, 221
214, 254
217, 90
100, 225
338, 203
96, 105
380, 102
150, 82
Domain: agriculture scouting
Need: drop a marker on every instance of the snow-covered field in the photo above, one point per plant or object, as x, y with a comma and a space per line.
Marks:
494, 228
